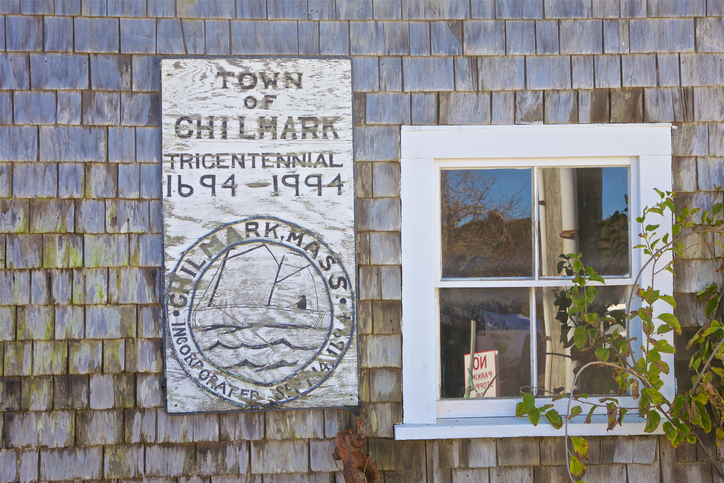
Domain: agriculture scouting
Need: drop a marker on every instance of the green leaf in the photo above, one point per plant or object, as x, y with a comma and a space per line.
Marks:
534, 417
554, 418
590, 415
579, 336
669, 300
671, 320
652, 421
603, 353
528, 402
712, 304
519, 410
575, 411
577, 468
580, 446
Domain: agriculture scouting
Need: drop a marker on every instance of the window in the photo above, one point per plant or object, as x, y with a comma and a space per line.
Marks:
486, 212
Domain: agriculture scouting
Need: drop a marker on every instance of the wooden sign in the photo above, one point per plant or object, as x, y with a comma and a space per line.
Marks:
258, 206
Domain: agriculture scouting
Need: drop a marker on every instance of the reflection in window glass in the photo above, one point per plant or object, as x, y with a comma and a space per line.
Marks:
486, 223
584, 210
561, 359
494, 324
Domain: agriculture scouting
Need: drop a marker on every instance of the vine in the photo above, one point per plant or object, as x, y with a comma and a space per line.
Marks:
604, 341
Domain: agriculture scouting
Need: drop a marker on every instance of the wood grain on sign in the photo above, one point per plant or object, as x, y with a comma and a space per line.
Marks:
258, 205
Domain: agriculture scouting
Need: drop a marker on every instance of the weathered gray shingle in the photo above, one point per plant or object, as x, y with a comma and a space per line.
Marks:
581, 36
96, 34
387, 9
567, 8
18, 143
71, 463
334, 38
138, 36
67, 7
710, 34
218, 37
676, 8
286, 9
708, 104
58, 35
51, 216
661, 35
10, 6
546, 36
503, 107
169, 39
126, 8
320, 9
520, 37
561, 107
548, 72
435, 9
529, 107
121, 144
627, 105
390, 73
37, 7
607, 71
59, 71
447, 38
193, 32
464, 108
528, 9
24, 34
484, 37
204, 9
14, 71
250, 9
296, 458
146, 73
582, 72
264, 38
148, 144
615, 37
501, 73
419, 38
23, 251
101, 108
139, 109
428, 74
71, 180
70, 107
72, 144
638, 70
668, 105
366, 38
424, 108
604, 9
466, 74
94, 8
34, 107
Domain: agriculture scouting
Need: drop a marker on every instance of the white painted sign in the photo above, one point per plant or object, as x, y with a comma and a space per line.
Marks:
484, 372
258, 205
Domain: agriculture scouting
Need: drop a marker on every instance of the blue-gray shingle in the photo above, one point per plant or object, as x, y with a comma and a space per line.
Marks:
709, 104
18, 143
128, 180
101, 108
520, 37
464, 108
466, 74
607, 71
121, 144
446, 37
90, 216
581, 36
710, 34
205, 9
138, 35
388, 108
502, 107
357, 10
633, 8
72, 143
638, 70
334, 38
366, 38
321, 10
6, 108
615, 37
377, 143
148, 144
365, 74
482, 9
126, 8
546, 36
146, 73
702, 69
94, 8
676, 8
14, 71
36, 7
150, 175
548, 72
59, 71
58, 34
35, 180
24, 34
435, 9
249, 37
96, 34
661, 35
110, 72
419, 38
424, 108
193, 31
308, 37
161, 8
10, 6
286, 9
529, 107
484, 37
668, 69
567, 8
250, 9
34, 107
169, 37
140, 109
428, 74
70, 107
397, 38
512, 9
67, 7
605, 9
561, 107
501, 73
387, 9
582, 72
669, 105
217, 37
71, 181
390, 73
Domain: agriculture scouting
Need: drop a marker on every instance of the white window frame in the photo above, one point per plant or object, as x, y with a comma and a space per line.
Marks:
646, 148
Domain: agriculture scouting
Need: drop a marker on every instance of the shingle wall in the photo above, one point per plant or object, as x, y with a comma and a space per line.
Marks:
80, 213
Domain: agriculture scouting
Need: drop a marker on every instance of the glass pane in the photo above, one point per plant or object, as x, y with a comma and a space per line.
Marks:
493, 324
559, 360
584, 210
486, 223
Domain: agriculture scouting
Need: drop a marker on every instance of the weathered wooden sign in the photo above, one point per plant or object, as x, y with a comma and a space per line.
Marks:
258, 205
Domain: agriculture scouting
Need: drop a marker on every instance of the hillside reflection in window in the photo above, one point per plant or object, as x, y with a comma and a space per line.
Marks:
584, 210
500, 321
486, 223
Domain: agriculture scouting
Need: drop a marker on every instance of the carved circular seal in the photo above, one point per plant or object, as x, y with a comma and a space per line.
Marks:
259, 312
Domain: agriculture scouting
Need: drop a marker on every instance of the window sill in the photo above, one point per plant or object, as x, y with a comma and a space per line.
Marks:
511, 427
